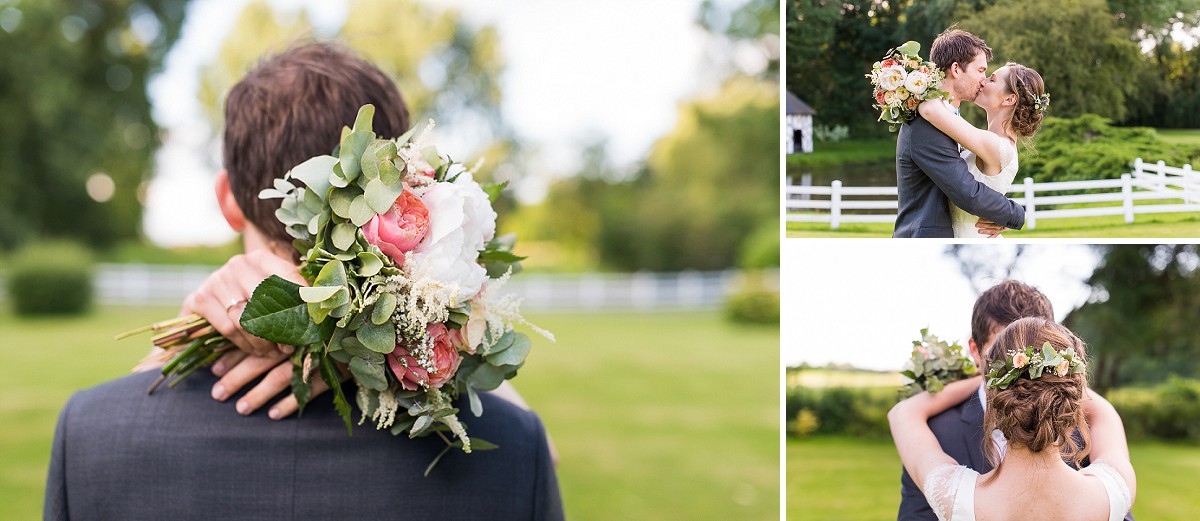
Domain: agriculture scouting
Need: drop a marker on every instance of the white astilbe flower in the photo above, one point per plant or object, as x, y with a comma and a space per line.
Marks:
503, 312
438, 401
420, 300
385, 415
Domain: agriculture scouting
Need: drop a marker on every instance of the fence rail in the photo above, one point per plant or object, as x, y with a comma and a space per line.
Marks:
142, 284
1175, 189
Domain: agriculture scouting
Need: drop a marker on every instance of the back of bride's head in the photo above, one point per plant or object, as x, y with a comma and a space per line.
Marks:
1038, 413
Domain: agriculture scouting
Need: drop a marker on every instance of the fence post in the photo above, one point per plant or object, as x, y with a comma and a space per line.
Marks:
835, 206
1030, 212
1137, 166
1187, 184
1162, 175
1127, 192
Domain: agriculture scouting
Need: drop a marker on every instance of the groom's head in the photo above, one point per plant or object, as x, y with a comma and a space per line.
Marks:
963, 57
291, 107
1001, 305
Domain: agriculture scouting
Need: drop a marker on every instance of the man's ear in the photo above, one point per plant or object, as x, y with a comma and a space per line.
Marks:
976, 356
953, 71
229, 207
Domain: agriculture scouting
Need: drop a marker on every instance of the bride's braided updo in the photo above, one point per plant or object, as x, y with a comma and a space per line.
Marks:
1028, 113
1038, 414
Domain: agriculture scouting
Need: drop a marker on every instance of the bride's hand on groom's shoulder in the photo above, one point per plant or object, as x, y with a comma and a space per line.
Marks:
220, 300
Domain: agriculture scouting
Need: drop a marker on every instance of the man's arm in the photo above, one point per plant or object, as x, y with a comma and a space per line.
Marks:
939, 159
55, 506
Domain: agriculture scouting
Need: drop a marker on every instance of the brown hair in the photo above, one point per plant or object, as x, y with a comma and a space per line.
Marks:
1027, 84
292, 107
955, 45
1037, 414
1004, 304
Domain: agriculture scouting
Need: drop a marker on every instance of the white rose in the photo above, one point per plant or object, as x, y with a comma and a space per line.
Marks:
916, 82
891, 78
461, 222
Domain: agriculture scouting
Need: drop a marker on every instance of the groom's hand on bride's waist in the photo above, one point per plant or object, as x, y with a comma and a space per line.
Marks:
989, 228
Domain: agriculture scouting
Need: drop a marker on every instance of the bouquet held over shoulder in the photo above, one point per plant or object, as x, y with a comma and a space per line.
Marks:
901, 81
934, 363
399, 249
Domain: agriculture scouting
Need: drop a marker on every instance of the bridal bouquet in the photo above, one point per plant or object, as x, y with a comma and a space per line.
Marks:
934, 364
901, 81
404, 272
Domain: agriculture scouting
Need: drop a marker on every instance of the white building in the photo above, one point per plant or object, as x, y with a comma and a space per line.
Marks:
799, 123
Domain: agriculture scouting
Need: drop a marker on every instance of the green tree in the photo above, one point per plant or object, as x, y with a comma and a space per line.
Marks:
1140, 322
1087, 61
73, 96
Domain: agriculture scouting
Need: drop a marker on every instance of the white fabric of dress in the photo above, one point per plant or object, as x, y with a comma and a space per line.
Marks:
964, 223
950, 490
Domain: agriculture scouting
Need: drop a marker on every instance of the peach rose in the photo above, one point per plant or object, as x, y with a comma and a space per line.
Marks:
1063, 367
1020, 359
399, 229
440, 364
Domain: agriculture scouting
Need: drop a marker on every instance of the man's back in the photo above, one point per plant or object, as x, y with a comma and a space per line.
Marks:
179, 454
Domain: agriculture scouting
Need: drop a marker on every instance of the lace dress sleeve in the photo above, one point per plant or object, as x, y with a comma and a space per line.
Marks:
941, 488
1119, 498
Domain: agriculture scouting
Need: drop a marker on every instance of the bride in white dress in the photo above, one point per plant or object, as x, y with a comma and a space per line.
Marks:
1015, 101
1037, 417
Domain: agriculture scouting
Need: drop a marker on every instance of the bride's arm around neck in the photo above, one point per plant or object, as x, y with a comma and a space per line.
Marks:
918, 447
985, 144
1108, 442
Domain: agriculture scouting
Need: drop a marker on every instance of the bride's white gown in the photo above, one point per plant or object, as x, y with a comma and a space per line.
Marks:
950, 490
964, 223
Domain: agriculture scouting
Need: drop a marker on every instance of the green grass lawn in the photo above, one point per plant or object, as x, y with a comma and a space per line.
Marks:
1170, 225
655, 416
1182, 136
851, 479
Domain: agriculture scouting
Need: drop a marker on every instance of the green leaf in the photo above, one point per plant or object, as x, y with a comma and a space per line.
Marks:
388, 173
493, 190
505, 342
314, 173
362, 121
368, 264
343, 235
423, 422
378, 338
330, 374
351, 150
276, 313
436, 460
360, 211
333, 273
317, 294
476, 403
368, 375
340, 199
482, 444
354, 347
514, 355
487, 377
380, 197
910, 48
385, 306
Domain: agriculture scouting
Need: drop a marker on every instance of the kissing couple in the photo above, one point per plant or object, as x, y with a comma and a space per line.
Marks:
1030, 442
951, 177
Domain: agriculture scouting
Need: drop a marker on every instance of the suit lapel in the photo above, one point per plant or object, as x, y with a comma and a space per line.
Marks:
972, 416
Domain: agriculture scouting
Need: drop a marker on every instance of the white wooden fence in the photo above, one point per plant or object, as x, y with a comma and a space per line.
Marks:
1173, 190
141, 284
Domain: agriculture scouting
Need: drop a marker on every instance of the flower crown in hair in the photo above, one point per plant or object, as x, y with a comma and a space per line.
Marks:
1042, 103
1033, 362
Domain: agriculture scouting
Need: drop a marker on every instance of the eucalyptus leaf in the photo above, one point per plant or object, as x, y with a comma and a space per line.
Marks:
314, 173
339, 201
343, 235
368, 375
514, 355
380, 197
384, 307
476, 403
353, 347
362, 120
422, 423
318, 293
360, 211
378, 338
351, 150
369, 264
388, 173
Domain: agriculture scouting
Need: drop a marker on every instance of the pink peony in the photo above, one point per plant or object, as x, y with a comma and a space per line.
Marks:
441, 359
399, 229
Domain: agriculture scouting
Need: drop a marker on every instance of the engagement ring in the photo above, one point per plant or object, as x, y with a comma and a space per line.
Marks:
233, 303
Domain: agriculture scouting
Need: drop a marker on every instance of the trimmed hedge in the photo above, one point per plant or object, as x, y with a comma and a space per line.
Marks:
51, 278
1170, 411
753, 306
839, 410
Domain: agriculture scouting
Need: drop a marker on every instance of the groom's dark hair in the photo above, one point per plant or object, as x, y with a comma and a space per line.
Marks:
1005, 303
955, 45
291, 107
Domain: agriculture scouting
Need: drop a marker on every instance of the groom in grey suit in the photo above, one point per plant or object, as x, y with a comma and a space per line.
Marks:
959, 429
179, 454
929, 170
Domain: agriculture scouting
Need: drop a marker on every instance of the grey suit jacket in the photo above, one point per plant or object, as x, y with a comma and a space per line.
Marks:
180, 455
959, 430
928, 172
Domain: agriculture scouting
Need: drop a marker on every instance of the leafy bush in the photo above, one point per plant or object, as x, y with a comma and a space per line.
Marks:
761, 249
1170, 411
839, 410
51, 278
1089, 147
753, 305
831, 134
